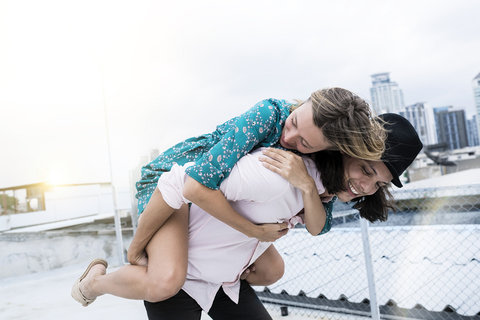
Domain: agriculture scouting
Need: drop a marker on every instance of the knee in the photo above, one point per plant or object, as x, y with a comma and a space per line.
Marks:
275, 272
164, 287
271, 273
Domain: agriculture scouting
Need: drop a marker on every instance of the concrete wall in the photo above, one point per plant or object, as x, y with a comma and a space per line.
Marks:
27, 253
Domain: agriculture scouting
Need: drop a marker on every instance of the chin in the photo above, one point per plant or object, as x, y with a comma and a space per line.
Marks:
344, 197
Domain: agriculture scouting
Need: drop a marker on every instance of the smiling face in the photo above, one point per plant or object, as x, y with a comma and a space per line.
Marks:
301, 134
363, 177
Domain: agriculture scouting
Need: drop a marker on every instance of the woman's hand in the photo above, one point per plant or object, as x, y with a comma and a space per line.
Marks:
269, 232
289, 165
247, 271
215, 203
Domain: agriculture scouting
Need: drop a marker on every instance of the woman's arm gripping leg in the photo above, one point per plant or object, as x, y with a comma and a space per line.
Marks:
152, 218
268, 268
161, 279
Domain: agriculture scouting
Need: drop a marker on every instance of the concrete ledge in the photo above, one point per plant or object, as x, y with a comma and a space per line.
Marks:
33, 252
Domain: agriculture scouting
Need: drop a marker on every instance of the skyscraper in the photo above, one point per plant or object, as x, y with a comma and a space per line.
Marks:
386, 95
416, 114
451, 127
476, 92
472, 131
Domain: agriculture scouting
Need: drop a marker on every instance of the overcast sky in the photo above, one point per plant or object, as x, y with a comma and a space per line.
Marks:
168, 70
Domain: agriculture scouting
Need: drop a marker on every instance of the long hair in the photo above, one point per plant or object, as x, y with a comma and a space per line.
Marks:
330, 166
375, 207
332, 172
347, 123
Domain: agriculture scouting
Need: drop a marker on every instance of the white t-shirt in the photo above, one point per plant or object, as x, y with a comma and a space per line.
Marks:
217, 253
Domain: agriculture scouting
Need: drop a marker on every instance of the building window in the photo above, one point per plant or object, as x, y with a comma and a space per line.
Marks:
22, 199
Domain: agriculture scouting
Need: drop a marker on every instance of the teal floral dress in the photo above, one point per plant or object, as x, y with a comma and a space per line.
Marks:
215, 154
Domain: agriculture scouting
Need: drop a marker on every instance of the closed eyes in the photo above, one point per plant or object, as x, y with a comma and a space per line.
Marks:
378, 185
294, 123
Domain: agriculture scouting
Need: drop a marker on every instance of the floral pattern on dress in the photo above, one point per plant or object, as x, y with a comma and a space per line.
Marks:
216, 153
328, 209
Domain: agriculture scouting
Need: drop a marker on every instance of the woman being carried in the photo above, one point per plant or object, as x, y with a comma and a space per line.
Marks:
330, 119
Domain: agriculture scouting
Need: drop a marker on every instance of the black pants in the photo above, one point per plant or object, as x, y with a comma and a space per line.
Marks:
183, 307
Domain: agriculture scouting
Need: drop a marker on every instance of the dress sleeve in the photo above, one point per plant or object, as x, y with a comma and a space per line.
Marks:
300, 218
328, 222
260, 126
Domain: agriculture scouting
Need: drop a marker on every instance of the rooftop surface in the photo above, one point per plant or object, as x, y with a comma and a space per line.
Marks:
435, 267
411, 263
46, 296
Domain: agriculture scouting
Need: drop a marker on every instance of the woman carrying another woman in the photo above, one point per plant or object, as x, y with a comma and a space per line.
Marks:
215, 266
333, 119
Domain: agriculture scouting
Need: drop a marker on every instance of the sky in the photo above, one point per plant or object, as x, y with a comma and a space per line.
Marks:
89, 87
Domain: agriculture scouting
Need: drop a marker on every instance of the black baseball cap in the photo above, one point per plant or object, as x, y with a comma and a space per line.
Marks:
401, 146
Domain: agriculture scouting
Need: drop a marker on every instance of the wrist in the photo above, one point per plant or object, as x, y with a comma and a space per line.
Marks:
131, 255
134, 248
309, 188
254, 231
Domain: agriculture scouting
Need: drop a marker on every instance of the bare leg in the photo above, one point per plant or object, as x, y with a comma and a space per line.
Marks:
268, 268
161, 279
152, 218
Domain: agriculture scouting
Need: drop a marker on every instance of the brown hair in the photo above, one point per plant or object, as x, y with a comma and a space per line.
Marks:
373, 207
347, 123
330, 165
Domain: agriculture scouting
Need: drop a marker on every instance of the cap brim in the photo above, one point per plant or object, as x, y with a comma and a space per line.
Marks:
396, 179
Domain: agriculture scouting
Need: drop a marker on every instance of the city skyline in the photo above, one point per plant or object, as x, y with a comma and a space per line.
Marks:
437, 124
157, 67
382, 79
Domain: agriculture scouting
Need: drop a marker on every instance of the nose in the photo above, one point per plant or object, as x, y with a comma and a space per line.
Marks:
369, 186
290, 137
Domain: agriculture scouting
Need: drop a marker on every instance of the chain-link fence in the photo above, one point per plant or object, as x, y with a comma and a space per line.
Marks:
423, 263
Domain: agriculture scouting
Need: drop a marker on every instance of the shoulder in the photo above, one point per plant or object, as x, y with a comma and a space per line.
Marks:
274, 106
250, 166
252, 182
269, 113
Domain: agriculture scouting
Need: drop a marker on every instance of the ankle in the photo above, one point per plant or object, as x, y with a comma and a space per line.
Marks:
89, 286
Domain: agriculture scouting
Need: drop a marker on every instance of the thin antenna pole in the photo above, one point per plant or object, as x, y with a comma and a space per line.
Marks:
118, 227
118, 223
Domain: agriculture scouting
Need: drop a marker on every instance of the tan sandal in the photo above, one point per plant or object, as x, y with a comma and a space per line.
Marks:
76, 293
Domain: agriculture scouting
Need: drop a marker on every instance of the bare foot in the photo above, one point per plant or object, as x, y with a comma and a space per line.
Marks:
86, 285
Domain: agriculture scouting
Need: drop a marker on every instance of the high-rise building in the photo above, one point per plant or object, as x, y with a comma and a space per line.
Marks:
386, 95
436, 110
417, 115
431, 125
476, 92
472, 132
451, 127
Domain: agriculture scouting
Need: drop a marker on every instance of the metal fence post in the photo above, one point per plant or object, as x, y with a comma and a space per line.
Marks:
118, 228
118, 222
369, 266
